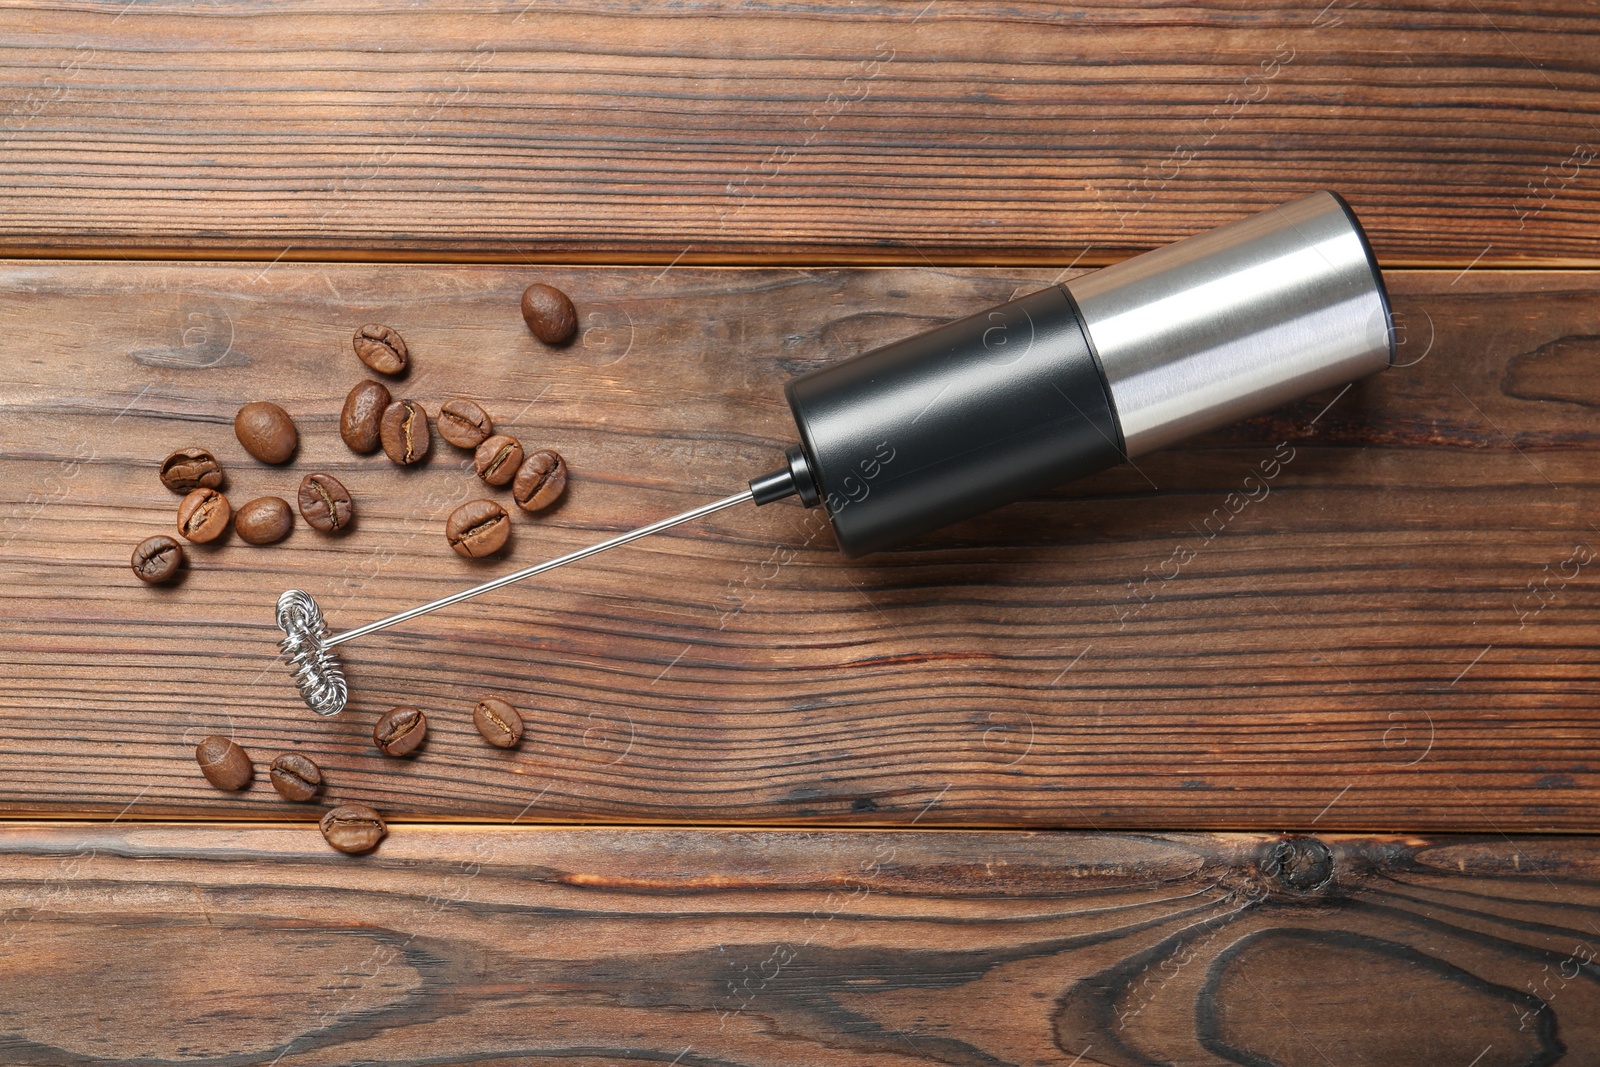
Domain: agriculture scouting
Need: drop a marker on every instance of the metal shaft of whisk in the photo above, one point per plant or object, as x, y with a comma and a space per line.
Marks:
539, 568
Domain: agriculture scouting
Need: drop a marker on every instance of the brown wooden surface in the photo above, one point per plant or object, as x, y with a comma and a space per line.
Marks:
896, 130
1398, 635
164, 944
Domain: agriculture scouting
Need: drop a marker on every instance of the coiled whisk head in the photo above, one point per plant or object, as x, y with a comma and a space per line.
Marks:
316, 670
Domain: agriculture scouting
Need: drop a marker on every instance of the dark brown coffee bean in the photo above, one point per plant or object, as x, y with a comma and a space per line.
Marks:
264, 521
541, 480
295, 776
157, 559
463, 423
477, 528
191, 468
266, 431
381, 349
549, 313
203, 515
353, 828
324, 503
400, 730
498, 458
362, 417
225, 764
405, 432
498, 722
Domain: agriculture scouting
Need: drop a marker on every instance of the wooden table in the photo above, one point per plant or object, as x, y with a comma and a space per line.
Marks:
1017, 794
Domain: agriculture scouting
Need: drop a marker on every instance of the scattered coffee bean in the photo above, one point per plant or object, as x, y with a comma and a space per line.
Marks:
498, 722
157, 559
353, 828
381, 349
191, 468
203, 515
296, 776
225, 764
541, 480
324, 503
498, 458
400, 730
463, 423
405, 432
362, 418
266, 431
477, 528
549, 313
264, 521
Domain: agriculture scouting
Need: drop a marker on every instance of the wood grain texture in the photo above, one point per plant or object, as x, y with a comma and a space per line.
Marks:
1369, 610
987, 132
213, 944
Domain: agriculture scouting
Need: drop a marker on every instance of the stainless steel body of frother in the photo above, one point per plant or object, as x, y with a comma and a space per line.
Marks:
1236, 321
1081, 376
1025, 396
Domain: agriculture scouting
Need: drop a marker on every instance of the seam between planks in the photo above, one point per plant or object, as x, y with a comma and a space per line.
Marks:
820, 260
88, 820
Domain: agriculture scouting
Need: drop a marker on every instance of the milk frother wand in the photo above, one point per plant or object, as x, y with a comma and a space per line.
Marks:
1050, 387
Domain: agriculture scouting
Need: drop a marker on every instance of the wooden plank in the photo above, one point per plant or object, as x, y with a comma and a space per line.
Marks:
1370, 610
894, 131
158, 943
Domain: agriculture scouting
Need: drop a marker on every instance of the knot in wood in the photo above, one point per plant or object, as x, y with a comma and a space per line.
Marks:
1298, 866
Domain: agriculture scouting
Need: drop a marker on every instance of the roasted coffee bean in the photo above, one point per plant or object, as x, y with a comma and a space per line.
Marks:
477, 528
225, 764
362, 418
191, 468
498, 458
549, 313
400, 730
381, 349
540, 481
405, 432
463, 423
324, 503
203, 516
157, 559
266, 431
264, 521
498, 722
295, 776
353, 828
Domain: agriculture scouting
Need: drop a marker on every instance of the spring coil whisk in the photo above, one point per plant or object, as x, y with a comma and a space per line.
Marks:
309, 646
316, 670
